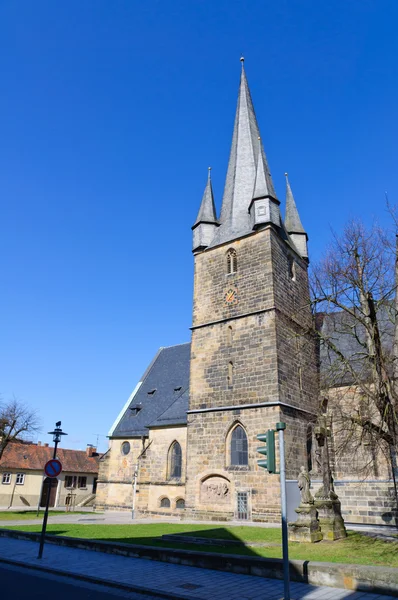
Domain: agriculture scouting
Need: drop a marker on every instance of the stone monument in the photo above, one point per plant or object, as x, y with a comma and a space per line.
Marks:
306, 528
327, 502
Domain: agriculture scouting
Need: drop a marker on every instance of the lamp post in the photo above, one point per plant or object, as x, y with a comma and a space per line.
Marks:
57, 435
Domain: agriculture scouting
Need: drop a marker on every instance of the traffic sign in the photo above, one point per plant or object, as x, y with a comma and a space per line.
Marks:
53, 468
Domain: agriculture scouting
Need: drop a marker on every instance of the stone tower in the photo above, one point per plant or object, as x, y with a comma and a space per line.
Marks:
253, 360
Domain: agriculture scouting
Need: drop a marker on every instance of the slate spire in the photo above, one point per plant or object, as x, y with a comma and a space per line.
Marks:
207, 211
293, 223
246, 153
206, 222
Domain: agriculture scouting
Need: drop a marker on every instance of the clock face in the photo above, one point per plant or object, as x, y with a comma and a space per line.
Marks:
231, 297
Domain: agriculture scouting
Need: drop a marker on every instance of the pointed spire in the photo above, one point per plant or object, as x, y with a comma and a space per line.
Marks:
261, 189
207, 211
242, 167
293, 223
206, 222
292, 220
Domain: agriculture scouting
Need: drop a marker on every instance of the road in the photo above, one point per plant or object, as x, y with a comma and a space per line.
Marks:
18, 583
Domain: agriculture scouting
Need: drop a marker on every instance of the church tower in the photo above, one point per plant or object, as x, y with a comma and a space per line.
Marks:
253, 360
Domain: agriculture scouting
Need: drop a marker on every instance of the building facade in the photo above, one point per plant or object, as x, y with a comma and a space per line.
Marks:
23, 483
185, 442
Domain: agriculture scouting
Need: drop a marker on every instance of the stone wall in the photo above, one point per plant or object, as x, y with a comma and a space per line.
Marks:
115, 477
155, 482
213, 484
262, 334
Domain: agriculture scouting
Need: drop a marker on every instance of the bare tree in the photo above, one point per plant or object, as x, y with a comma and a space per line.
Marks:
355, 302
17, 422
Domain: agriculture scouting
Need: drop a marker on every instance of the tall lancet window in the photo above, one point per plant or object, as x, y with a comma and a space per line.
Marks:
239, 452
175, 461
230, 373
232, 261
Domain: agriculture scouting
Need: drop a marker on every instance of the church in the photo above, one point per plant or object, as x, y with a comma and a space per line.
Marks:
184, 444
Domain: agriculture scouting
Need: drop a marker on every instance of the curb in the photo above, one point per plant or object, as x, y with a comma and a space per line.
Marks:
104, 582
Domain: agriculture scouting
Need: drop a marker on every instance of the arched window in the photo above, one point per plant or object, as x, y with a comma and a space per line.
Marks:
180, 503
232, 261
175, 461
165, 503
239, 452
230, 373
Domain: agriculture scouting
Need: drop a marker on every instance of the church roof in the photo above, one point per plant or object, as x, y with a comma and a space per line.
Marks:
163, 386
242, 169
176, 414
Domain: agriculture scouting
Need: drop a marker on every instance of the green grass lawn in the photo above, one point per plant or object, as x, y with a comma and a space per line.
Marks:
356, 548
21, 515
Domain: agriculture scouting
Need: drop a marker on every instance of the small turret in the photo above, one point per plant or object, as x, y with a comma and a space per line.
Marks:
264, 207
293, 223
206, 222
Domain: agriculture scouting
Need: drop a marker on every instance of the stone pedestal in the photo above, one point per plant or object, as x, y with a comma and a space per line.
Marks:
329, 514
306, 528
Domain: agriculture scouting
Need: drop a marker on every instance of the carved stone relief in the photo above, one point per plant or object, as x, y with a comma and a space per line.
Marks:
215, 490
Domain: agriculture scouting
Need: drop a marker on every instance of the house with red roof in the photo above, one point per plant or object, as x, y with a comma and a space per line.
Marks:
23, 482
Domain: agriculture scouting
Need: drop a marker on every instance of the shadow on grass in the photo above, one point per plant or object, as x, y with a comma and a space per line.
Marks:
227, 543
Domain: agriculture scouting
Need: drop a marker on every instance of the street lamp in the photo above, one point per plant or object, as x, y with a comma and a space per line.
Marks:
57, 436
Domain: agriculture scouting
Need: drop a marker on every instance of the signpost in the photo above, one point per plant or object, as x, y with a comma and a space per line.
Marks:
269, 463
52, 469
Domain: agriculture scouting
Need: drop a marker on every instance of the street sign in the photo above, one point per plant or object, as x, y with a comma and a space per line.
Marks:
53, 468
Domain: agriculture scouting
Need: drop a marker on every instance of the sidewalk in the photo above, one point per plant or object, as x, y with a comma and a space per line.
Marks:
171, 581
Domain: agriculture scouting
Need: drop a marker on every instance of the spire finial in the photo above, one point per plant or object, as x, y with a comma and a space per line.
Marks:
286, 174
209, 170
242, 59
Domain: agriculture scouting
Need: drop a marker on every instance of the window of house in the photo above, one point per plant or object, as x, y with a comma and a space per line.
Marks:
70, 481
229, 335
125, 448
239, 449
180, 503
6, 478
165, 503
175, 461
20, 478
82, 482
232, 261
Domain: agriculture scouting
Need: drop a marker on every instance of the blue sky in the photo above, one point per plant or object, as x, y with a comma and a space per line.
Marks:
111, 113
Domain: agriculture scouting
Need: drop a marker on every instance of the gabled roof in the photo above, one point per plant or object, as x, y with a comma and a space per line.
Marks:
165, 382
31, 457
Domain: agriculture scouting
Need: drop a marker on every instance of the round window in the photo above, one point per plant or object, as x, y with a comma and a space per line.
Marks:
125, 448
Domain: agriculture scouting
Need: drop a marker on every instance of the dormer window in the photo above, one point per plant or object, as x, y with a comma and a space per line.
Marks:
151, 392
135, 409
178, 389
232, 261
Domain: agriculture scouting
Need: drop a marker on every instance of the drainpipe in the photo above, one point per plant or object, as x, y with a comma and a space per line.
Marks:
13, 490
41, 491
135, 476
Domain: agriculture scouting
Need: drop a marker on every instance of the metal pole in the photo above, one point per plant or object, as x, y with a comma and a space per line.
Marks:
43, 531
280, 427
134, 490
